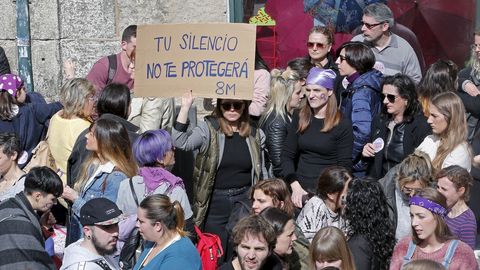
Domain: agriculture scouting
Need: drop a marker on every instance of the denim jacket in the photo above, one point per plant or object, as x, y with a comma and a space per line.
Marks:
96, 188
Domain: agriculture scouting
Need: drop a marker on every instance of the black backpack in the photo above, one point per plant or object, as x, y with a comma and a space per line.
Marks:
134, 244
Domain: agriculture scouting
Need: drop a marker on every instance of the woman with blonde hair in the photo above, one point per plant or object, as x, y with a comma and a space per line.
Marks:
448, 143
320, 120
285, 96
329, 248
160, 222
110, 162
77, 98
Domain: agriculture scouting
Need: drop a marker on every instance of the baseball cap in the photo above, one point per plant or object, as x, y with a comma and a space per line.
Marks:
100, 211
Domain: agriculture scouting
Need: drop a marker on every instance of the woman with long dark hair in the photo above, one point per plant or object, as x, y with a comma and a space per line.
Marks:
366, 212
229, 161
109, 163
398, 130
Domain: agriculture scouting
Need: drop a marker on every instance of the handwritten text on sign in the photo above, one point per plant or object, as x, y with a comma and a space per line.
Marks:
214, 60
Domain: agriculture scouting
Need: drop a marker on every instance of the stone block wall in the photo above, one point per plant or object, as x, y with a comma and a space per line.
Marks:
85, 30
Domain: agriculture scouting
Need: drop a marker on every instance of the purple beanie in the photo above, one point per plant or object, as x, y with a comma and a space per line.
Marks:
10, 83
321, 77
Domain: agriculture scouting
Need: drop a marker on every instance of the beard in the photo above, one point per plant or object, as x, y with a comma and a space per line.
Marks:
102, 250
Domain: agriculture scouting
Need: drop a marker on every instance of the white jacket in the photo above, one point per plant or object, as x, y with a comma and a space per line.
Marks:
77, 257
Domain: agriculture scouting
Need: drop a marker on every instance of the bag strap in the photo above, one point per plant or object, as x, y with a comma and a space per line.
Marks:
449, 254
112, 67
130, 181
103, 264
410, 251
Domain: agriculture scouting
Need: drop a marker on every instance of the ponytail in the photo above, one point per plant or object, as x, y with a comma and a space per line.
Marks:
159, 208
179, 218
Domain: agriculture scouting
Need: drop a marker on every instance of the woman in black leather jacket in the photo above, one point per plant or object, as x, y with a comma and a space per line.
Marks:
285, 96
398, 130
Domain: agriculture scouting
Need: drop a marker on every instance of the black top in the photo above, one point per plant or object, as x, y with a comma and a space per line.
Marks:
235, 169
315, 150
362, 253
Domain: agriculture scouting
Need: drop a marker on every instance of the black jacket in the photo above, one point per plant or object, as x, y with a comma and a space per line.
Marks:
4, 65
275, 129
415, 131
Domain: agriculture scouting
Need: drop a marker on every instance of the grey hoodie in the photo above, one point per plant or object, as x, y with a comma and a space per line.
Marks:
77, 257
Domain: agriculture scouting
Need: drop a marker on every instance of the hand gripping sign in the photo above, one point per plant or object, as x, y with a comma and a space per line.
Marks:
213, 60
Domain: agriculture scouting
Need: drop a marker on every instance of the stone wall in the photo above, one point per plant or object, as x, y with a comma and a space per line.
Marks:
85, 30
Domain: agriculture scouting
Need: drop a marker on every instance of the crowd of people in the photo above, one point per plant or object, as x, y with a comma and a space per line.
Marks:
343, 160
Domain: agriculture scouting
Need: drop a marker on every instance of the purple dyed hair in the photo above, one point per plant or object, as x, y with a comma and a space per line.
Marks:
151, 147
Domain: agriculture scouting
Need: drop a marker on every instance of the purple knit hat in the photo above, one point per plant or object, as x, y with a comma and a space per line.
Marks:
321, 77
11, 83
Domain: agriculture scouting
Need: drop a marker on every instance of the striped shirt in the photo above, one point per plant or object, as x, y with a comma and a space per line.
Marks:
464, 227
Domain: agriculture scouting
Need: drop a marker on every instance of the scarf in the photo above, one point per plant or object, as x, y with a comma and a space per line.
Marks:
153, 177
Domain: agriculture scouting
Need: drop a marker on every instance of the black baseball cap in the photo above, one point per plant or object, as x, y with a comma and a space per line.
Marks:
100, 211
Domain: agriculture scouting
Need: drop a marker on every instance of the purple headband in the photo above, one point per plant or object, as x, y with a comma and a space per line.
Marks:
321, 77
429, 205
11, 83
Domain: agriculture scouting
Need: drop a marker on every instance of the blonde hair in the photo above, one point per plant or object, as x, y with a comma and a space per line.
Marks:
330, 244
282, 86
73, 95
415, 167
451, 107
113, 145
159, 208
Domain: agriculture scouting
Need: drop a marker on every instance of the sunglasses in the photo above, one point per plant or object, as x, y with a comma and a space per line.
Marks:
391, 98
370, 26
227, 106
319, 45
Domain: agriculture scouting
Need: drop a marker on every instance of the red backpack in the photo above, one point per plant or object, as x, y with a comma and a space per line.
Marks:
210, 248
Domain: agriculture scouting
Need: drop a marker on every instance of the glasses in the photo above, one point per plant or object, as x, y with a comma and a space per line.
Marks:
319, 45
391, 98
410, 191
372, 25
475, 46
227, 106
342, 58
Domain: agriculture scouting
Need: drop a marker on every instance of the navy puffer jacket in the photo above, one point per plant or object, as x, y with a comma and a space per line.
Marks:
360, 102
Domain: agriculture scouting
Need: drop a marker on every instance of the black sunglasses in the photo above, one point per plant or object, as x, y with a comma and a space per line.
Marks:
370, 26
227, 106
391, 98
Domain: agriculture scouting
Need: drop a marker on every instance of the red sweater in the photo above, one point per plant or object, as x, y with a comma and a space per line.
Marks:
463, 257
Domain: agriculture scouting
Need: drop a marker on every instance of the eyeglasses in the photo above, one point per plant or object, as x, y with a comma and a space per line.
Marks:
390, 97
475, 46
319, 45
227, 106
342, 58
410, 191
372, 25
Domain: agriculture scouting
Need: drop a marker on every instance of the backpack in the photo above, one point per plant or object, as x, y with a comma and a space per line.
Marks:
210, 248
112, 67
133, 244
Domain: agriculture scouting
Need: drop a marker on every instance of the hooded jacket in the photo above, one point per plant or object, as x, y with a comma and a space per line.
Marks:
77, 257
360, 102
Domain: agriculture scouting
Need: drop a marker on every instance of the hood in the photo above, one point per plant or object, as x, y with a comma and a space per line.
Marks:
372, 79
75, 253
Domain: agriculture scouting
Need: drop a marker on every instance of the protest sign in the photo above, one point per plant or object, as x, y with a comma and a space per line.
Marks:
213, 60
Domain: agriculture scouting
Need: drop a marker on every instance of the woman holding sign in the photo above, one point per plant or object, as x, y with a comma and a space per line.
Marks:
398, 130
228, 163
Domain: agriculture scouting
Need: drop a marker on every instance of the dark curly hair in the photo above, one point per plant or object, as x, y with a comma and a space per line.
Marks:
367, 213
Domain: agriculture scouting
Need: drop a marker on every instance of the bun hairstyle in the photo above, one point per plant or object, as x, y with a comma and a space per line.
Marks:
159, 208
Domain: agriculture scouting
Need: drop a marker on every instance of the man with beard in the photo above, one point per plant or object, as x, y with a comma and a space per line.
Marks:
393, 54
99, 218
253, 239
